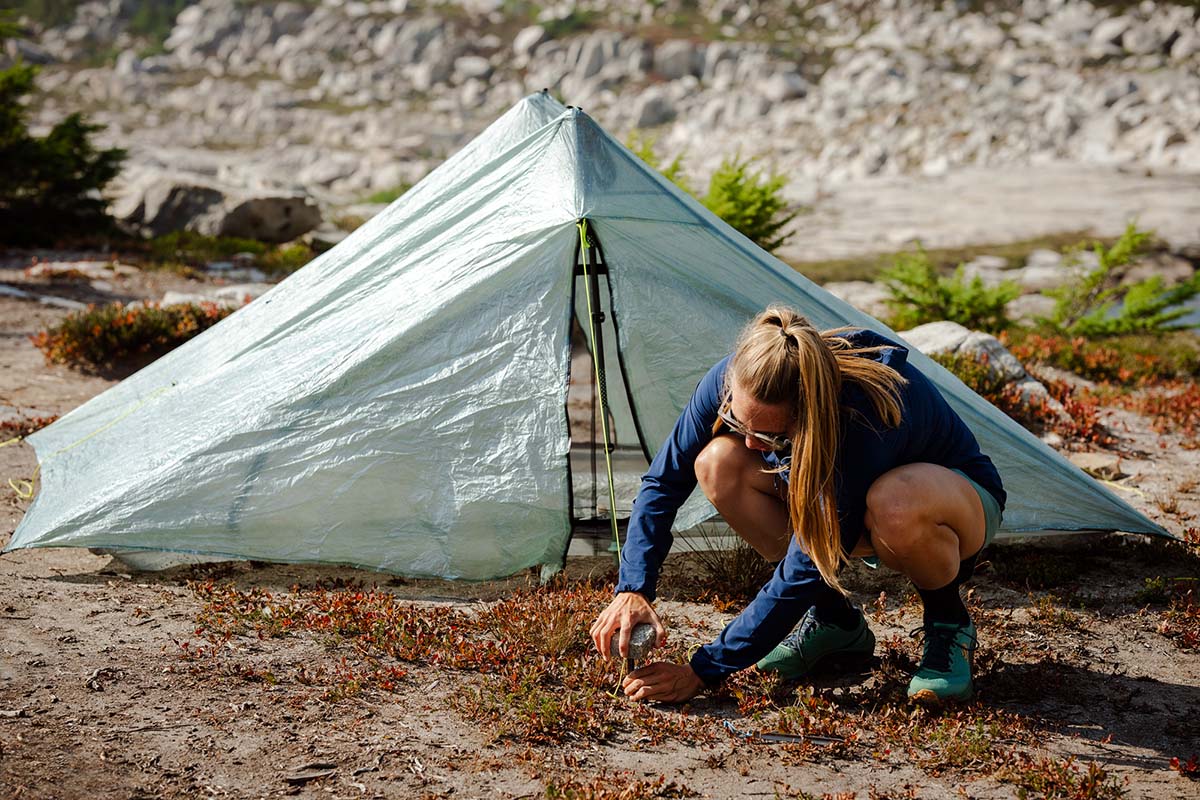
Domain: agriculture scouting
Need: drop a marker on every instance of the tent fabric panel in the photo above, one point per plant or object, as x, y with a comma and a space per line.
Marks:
398, 404
693, 271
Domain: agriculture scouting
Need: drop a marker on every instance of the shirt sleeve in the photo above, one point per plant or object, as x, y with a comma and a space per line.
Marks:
666, 485
779, 605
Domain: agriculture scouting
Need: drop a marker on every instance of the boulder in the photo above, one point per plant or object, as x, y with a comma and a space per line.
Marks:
468, 67
28, 52
242, 293
527, 40
192, 298
676, 58
162, 204
1029, 307
653, 108
1143, 39
1187, 45
1111, 31
784, 86
269, 217
950, 338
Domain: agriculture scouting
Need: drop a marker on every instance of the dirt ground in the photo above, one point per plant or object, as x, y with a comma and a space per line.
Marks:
99, 696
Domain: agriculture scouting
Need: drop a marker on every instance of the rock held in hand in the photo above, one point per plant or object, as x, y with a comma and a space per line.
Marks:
641, 641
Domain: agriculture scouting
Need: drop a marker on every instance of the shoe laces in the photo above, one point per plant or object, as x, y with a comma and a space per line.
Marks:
807, 625
939, 640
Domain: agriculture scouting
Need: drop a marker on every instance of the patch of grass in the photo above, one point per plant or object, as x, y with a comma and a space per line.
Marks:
617, 786
1048, 611
1051, 778
1181, 621
198, 249
389, 195
102, 337
730, 574
349, 222
285, 259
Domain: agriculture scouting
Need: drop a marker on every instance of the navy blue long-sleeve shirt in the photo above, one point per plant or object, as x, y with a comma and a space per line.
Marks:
929, 431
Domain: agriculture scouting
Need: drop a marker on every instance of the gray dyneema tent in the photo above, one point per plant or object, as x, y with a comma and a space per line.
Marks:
399, 403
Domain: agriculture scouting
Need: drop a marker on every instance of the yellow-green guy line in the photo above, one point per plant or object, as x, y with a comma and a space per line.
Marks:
612, 495
24, 488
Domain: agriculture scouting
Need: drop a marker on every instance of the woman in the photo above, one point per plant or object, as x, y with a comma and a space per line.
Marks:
814, 447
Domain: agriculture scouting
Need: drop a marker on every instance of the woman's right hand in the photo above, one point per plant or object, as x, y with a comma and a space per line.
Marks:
625, 611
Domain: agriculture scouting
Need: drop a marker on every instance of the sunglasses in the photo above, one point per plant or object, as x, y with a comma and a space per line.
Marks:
773, 440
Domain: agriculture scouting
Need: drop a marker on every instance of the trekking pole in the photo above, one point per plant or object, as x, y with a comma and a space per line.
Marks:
595, 317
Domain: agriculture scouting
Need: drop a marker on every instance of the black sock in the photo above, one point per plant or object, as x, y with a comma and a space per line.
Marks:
945, 604
834, 608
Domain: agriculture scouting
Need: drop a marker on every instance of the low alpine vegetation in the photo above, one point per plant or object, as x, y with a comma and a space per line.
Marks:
103, 336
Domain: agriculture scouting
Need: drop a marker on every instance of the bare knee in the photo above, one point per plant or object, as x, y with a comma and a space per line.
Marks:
719, 468
895, 516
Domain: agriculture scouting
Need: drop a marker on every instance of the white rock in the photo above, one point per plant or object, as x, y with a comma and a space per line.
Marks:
784, 86
676, 58
1043, 258
946, 337
1111, 30
468, 67
527, 39
653, 108
1143, 39
187, 298
1029, 307
1187, 45
242, 293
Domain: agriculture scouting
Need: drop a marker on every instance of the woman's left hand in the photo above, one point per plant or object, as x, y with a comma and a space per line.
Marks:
663, 682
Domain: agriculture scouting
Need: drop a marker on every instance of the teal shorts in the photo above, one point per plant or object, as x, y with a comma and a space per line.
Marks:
991, 517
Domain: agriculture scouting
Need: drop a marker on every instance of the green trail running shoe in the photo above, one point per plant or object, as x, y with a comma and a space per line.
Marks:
814, 643
945, 671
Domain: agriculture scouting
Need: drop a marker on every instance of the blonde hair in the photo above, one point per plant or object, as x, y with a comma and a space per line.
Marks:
781, 358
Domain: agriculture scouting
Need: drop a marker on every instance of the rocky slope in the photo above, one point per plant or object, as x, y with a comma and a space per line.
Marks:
345, 99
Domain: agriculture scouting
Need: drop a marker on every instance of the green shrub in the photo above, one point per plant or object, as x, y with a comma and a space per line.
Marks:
750, 202
1089, 306
50, 186
920, 295
642, 145
105, 336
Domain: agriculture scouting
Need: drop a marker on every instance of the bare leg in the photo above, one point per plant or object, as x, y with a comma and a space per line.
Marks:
732, 478
924, 520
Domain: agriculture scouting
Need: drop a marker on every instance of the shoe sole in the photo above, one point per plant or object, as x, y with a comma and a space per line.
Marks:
927, 698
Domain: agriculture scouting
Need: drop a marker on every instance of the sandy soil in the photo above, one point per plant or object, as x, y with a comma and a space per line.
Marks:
96, 699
